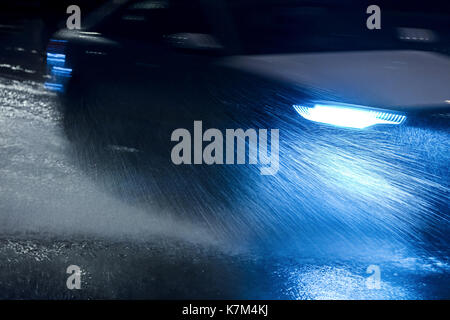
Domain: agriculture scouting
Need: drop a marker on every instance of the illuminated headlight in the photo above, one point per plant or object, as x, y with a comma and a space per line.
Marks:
351, 116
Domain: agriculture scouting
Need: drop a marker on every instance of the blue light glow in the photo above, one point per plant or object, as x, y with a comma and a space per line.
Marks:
57, 40
57, 69
56, 58
53, 86
65, 72
56, 55
53, 60
349, 116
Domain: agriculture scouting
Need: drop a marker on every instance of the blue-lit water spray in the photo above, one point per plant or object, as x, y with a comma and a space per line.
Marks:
376, 195
339, 190
367, 187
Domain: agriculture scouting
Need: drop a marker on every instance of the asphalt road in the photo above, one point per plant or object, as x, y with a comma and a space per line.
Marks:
59, 207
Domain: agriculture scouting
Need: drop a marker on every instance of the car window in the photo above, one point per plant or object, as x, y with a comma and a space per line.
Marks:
144, 20
188, 16
150, 20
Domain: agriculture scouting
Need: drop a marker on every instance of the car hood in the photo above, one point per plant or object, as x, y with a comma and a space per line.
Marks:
386, 79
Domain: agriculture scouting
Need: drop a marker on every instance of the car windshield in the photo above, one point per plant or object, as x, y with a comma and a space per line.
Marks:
272, 26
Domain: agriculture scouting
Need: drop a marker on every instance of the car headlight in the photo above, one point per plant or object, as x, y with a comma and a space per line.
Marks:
347, 115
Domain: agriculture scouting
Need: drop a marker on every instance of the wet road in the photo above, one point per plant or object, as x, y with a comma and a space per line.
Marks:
60, 207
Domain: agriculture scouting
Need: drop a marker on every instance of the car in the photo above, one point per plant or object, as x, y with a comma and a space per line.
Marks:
168, 63
350, 105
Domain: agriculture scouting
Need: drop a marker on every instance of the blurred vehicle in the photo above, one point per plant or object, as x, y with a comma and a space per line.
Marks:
167, 63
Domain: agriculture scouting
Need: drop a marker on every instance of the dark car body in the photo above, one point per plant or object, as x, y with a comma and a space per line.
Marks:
168, 63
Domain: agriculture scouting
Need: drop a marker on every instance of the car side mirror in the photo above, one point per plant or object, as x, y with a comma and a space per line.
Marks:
194, 42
